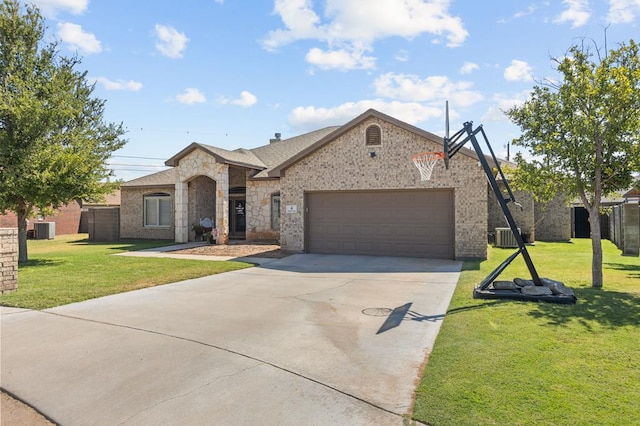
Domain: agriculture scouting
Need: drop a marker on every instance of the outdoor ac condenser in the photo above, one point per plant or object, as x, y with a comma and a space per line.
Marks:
505, 238
45, 230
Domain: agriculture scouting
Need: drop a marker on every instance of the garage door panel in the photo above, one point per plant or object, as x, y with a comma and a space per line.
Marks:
389, 223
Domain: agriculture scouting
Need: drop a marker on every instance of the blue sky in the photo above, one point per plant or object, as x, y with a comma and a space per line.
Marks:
231, 73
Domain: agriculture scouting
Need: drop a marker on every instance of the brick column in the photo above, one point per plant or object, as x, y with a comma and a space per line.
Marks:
8, 260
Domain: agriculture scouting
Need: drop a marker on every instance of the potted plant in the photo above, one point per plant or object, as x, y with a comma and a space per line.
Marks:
210, 236
199, 230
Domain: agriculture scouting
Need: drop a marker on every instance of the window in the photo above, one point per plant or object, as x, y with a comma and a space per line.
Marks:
275, 211
157, 209
373, 135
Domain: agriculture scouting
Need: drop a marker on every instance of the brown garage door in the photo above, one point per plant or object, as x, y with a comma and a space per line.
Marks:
381, 223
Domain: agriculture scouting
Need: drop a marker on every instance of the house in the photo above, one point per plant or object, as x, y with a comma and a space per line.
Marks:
351, 189
66, 219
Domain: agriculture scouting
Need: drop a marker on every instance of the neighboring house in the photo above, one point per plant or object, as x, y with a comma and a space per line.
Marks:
66, 219
351, 189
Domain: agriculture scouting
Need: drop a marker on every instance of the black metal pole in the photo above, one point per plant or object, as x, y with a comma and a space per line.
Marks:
505, 209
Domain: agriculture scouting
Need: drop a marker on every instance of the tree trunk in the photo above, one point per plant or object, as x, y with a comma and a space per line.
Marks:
596, 247
23, 214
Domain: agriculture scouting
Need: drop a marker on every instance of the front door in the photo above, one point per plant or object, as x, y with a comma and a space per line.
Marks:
237, 218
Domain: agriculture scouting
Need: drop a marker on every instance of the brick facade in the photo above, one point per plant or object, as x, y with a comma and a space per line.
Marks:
524, 217
202, 201
8, 260
132, 214
553, 221
66, 218
345, 164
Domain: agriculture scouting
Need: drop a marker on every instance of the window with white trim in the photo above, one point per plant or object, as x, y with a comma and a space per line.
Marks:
157, 210
275, 211
373, 135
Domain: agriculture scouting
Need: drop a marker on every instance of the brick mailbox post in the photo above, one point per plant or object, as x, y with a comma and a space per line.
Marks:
8, 260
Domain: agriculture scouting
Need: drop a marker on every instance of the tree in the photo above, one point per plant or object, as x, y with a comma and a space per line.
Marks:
54, 142
583, 133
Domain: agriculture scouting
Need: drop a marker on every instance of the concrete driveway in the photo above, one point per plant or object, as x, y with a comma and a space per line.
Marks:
304, 340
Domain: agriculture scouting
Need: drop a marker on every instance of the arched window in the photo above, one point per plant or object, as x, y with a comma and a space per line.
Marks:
373, 135
157, 210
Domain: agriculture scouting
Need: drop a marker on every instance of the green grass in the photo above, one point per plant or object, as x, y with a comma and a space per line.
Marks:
70, 269
522, 363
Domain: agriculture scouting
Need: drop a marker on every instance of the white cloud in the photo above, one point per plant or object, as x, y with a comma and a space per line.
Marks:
77, 39
411, 88
340, 59
191, 96
130, 85
503, 102
622, 11
309, 118
50, 8
245, 100
402, 56
529, 11
577, 13
468, 68
518, 71
347, 26
171, 42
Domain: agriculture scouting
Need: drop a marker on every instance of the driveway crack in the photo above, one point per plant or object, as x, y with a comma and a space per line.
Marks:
240, 354
185, 394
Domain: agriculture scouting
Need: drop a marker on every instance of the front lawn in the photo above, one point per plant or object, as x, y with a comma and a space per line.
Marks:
70, 269
524, 363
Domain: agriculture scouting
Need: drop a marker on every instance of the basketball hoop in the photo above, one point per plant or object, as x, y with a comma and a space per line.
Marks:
425, 162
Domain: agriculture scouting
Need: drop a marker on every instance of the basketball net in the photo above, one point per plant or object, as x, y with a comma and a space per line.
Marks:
425, 162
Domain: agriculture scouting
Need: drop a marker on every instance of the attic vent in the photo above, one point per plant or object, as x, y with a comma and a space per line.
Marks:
373, 135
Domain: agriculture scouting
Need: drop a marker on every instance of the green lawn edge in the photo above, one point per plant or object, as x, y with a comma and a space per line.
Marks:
71, 269
521, 363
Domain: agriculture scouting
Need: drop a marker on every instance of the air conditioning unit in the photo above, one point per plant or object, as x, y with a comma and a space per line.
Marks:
45, 230
505, 238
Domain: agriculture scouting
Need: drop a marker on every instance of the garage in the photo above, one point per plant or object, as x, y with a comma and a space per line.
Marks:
413, 223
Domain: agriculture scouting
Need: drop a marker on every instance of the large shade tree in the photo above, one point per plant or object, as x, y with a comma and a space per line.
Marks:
54, 141
582, 132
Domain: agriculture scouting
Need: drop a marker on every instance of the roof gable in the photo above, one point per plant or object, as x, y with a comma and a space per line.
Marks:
275, 171
239, 157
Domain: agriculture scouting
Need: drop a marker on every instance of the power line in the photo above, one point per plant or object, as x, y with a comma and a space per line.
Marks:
141, 158
136, 165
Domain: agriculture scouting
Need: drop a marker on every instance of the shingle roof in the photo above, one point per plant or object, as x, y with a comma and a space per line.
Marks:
239, 157
271, 159
278, 152
163, 178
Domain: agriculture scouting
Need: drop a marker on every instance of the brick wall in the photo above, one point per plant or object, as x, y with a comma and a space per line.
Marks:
345, 164
202, 201
132, 214
525, 217
66, 218
259, 209
553, 221
8, 260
